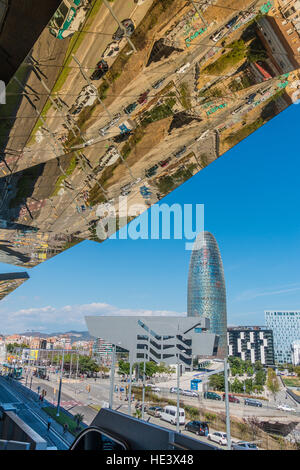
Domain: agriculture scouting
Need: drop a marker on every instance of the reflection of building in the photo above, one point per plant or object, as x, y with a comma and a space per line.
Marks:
251, 343
295, 347
206, 287
102, 349
280, 34
286, 329
10, 281
158, 339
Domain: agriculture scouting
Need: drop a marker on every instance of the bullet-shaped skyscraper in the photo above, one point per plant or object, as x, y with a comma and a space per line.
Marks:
206, 287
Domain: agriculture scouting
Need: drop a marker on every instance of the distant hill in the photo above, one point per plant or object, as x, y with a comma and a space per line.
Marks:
74, 335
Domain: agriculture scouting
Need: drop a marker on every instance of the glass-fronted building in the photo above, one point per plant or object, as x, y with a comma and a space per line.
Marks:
206, 287
286, 329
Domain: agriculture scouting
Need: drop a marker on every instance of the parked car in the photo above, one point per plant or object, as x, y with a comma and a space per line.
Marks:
174, 390
100, 70
189, 393
212, 396
198, 427
252, 402
158, 83
218, 35
142, 99
131, 107
169, 414
153, 387
250, 98
165, 162
219, 437
111, 50
180, 152
237, 110
231, 398
183, 68
232, 22
243, 445
154, 411
129, 27
285, 408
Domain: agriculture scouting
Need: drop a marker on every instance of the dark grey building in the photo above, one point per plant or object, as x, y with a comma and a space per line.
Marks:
158, 339
253, 343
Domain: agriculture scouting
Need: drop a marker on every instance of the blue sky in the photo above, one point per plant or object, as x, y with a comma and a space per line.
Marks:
251, 197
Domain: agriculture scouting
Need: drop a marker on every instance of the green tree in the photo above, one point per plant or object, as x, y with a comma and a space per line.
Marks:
217, 382
236, 386
272, 382
260, 377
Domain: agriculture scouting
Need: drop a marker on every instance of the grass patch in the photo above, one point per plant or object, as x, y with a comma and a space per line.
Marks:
62, 419
237, 53
159, 112
242, 133
185, 96
295, 382
62, 177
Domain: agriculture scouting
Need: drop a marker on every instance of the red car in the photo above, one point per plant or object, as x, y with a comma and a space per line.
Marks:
143, 97
166, 162
231, 398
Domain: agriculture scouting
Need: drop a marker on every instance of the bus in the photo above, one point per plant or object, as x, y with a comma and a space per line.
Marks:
64, 17
13, 371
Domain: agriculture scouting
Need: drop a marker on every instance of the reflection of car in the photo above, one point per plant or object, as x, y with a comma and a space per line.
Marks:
231, 398
212, 396
198, 427
129, 27
237, 110
189, 393
165, 162
180, 152
153, 387
285, 408
219, 437
122, 137
250, 98
100, 70
111, 50
174, 390
152, 171
143, 97
131, 107
243, 445
154, 411
232, 22
252, 402
183, 68
158, 83
218, 35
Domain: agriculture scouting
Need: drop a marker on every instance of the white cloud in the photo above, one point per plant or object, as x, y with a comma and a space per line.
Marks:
68, 317
254, 293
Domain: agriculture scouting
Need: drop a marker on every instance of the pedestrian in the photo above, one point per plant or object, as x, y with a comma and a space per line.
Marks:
49, 422
66, 428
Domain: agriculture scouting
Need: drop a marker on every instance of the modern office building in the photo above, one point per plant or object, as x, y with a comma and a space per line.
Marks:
102, 349
206, 287
295, 346
251, 343
286, 329
158, 339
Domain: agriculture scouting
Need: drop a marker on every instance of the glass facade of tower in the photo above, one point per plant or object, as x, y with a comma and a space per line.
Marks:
206, 287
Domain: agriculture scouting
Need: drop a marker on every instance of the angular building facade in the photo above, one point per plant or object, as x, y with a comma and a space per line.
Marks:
206, 287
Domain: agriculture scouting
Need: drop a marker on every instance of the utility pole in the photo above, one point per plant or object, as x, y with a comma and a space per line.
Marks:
129, 388
144, 386
227, 404
112, 378
120, 24
70, 373
92, 86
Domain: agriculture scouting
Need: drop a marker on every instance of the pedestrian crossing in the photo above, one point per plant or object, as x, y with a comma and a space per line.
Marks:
69, 403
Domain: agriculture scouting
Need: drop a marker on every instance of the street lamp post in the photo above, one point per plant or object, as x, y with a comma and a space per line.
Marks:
144, 386
129, 388
227, 404
177, 417
60, 384
112, 377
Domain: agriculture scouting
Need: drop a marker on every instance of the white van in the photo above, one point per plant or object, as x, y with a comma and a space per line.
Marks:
169, 414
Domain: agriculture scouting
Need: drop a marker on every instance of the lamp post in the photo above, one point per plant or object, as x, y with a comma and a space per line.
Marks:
178, 378
60, 383
227, 404
112, 377
144, 386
